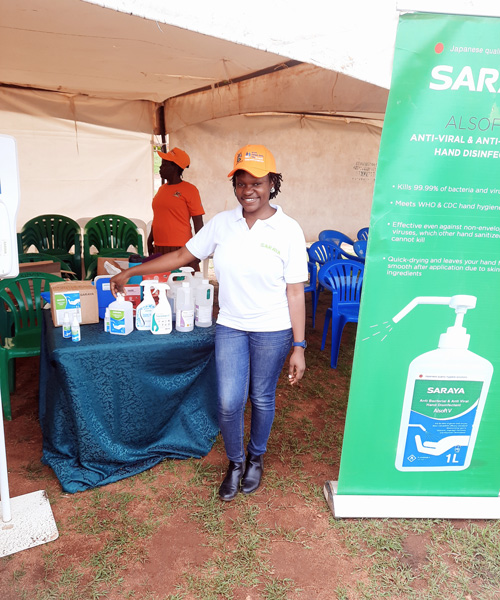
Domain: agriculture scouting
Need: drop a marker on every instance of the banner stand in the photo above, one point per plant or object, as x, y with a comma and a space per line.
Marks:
409, 507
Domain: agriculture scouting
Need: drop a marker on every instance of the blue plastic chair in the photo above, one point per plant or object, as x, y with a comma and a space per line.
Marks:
312, 287
322, 252
360, 248
363, 233
342, 254
344, 278
337, 237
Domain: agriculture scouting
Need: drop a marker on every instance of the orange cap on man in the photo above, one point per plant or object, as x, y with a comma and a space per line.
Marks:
177, 156
255, 159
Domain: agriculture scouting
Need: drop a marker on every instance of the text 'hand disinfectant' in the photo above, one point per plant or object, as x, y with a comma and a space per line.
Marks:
446, 390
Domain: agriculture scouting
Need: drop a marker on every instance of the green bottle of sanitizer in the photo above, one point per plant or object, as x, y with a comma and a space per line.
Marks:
445, 394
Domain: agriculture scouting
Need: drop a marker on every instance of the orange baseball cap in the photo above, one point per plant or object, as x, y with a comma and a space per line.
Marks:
177, 156
255, 159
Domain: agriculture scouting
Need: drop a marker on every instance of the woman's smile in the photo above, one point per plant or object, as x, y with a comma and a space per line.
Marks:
253, 195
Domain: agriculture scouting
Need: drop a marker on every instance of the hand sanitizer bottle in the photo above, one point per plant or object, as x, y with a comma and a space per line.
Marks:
161, 319
66, 326
144, 312
75, 330
203, 304
106, 320
121, 316
175, 280
184, 319
197, 279
445, 394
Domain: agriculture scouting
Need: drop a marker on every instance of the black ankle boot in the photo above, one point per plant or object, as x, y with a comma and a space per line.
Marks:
253, 473
231, 484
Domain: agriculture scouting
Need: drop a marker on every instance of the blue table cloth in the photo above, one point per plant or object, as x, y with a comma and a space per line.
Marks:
112, 406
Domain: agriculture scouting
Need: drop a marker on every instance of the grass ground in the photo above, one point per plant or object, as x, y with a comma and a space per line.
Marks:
165, 535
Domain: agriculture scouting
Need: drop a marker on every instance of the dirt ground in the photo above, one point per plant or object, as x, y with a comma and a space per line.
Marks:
165, 535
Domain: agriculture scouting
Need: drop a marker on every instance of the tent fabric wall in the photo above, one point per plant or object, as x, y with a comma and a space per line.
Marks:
328, 165
80, 156
83, 156
299, 89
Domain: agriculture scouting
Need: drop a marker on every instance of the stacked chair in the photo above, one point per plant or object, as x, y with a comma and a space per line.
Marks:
344, 279
363, 234
56, 236
360, 249
109, 235
339, 270
21, 306
319, 252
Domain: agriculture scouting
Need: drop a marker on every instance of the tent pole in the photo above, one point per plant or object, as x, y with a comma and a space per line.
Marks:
163, 133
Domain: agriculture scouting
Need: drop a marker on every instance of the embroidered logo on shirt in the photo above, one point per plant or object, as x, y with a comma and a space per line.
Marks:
269, 247
177, 194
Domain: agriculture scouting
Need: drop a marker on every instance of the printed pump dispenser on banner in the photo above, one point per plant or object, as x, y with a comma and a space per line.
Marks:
445, 394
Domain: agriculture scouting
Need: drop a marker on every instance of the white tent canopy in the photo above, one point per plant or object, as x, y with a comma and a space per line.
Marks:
81, 83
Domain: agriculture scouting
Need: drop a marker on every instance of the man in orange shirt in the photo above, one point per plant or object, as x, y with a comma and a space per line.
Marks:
174, 205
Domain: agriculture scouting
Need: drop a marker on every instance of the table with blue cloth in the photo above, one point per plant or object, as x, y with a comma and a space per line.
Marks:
112, 406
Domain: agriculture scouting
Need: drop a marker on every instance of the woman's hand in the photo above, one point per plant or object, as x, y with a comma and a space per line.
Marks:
297, 365
118, 281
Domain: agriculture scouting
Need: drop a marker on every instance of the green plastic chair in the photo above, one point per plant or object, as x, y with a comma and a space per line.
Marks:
110, 235
66, 270
20, 325
55, 235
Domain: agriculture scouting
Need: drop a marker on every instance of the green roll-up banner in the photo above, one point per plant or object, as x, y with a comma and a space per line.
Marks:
422, 435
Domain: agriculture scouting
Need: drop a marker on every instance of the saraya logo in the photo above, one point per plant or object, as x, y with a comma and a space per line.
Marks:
445, 390
444, 78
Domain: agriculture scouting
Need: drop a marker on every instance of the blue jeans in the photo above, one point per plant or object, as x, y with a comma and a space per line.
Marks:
248, 364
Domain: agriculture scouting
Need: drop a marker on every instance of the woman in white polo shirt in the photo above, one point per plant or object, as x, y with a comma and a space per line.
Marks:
260, 262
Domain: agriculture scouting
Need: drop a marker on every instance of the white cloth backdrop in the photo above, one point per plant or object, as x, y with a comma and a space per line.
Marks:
80, 156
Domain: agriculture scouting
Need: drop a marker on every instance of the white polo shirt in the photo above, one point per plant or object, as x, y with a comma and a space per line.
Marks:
253, 267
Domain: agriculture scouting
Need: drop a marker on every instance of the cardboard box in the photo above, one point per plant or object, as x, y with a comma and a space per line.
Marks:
78, 298
42, 266
118, 262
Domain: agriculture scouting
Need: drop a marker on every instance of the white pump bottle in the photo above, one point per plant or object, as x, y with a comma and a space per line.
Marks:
445, 394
